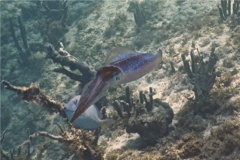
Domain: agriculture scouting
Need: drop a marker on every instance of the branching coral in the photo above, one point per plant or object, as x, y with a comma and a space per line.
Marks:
24, 54
225, 10
65, 59
149, 118
138, 13
202, 75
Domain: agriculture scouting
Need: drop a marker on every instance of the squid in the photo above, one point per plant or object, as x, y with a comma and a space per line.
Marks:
122, 66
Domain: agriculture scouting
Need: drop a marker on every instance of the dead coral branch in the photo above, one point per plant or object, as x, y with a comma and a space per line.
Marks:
65, 59
33, 93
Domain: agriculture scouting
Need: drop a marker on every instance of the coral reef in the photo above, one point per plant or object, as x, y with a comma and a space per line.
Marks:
204, 128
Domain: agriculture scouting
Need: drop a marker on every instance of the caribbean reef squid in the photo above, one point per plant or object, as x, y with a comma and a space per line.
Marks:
122, 66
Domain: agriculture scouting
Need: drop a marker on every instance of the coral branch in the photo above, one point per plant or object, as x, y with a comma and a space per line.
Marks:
226, 8
70, 62
172, 68
21, 53
186, 66
141, 97
23, 35
128, 97
46, 134
202, 75
117, 107
139, 15
150, 99
33, 93
68, 73
3, 134
60, 127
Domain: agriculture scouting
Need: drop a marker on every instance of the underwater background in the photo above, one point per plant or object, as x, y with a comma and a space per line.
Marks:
188, 108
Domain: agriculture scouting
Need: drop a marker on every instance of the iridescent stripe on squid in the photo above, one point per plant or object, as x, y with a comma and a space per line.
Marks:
134, 62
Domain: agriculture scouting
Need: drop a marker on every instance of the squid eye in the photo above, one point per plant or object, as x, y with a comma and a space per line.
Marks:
75, 102
117, 78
